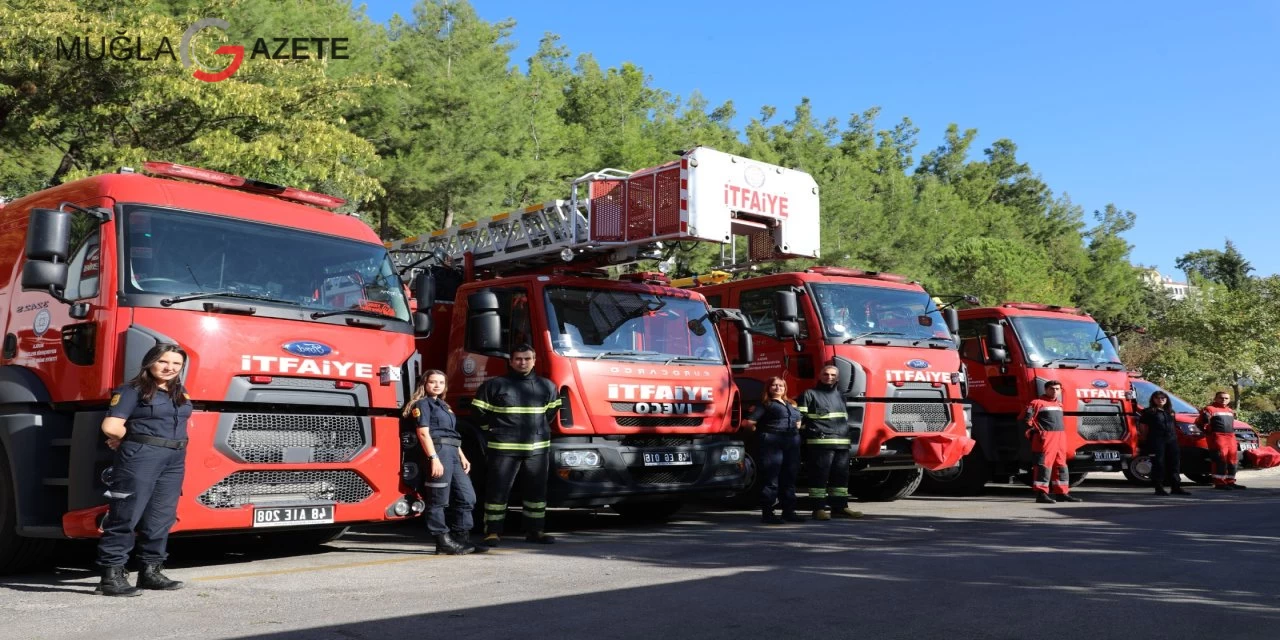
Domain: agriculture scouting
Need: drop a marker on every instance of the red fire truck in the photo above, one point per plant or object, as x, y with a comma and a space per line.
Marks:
1010, 352
894, 349
299, 334
649, 409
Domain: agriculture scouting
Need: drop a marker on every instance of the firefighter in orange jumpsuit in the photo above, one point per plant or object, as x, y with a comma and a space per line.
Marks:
1218, 422
1049, 446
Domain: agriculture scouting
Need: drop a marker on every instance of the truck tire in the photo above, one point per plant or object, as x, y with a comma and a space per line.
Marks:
1200, 478
17, 553
1138, 471
648, 511
965, 479
749, 496
885, 486
1077, 478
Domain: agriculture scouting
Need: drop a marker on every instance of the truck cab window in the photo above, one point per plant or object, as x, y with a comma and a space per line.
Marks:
86, 262
757, 306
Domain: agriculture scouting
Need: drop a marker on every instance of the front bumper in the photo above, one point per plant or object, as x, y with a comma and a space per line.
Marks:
622, 475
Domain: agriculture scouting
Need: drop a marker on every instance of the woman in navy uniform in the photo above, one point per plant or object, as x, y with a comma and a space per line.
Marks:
446, 485
777, 424
146, 425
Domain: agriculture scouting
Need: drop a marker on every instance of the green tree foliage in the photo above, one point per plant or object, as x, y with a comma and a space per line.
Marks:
275, 120
1226, 267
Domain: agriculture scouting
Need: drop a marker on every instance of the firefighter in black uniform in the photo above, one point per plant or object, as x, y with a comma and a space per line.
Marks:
776, 422
146, 425
515, 411
445, 477
1161, 443
826, 442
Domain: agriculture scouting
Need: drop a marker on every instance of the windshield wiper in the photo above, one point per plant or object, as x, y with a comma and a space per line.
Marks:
224, 294
871, 333
359, 312
603, 354
1061, 360
689, 359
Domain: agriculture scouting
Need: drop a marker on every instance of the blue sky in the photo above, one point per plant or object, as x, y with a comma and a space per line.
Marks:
1168, 109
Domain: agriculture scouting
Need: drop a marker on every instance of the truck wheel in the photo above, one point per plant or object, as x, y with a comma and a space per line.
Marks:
749, 496
1138, 471
885, 486
17, 553
1200, 478
1077, 478
648, 511
965, 479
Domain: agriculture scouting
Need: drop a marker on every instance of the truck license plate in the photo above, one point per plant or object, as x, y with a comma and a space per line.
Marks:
290, 516
1106, 456
1245, 446
666, 458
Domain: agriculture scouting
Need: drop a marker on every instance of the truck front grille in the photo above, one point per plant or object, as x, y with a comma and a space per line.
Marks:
918, 417
664, 421
1103, 426
683, 475
656, 441
277, 438
264, 487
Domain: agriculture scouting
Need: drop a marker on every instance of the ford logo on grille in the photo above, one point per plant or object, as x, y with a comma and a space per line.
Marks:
1101, 384
918, 364
307, 348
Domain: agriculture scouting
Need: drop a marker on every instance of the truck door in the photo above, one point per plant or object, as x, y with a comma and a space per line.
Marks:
774, 356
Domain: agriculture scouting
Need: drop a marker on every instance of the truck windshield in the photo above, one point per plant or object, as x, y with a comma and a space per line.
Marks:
1056, 341
1143, 389
631, 325
852, 312
178, 253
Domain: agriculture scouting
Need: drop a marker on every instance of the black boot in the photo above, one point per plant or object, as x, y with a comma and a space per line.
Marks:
767, 516
1160, 491
1043, 498
115, 582
791, 516
448, 546
151, 578
464, 538
1179, 491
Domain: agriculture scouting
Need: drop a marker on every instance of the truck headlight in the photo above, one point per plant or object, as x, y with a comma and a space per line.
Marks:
580, 459
1189, 429
731, 454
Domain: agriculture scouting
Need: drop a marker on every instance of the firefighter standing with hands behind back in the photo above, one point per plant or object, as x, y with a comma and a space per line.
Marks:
826, 440
516, 411
1218, 422
1049, 446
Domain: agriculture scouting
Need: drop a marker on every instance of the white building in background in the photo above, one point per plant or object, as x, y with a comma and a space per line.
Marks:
1174, 289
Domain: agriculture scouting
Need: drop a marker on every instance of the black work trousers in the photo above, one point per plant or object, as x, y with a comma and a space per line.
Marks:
503, 469
146, 482
451, 492
779, 468
1166, 463
828, 476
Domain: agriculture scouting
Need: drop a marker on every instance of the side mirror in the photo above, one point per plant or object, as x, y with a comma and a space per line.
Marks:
953, 319
1115, 342
48, 246
787, 312
746, 348
484, 326
424, 292
996, 348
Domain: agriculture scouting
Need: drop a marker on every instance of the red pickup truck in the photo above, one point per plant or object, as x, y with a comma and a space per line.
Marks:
1191, 441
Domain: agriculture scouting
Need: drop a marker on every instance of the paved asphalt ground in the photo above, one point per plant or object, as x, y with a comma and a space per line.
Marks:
1124, 564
